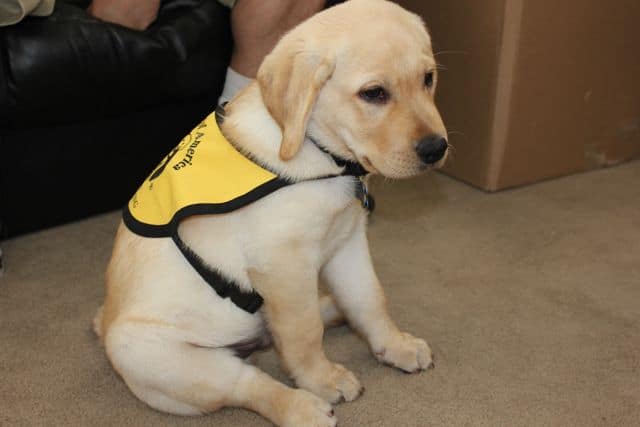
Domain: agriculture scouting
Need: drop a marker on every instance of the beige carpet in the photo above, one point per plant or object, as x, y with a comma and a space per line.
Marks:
530, 299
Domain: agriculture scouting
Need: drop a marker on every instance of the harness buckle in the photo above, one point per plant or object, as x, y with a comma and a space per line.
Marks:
362, 194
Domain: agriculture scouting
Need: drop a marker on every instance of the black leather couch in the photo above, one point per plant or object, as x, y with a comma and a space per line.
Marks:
88, 108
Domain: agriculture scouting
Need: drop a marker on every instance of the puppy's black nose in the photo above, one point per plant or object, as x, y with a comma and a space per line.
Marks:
431, 148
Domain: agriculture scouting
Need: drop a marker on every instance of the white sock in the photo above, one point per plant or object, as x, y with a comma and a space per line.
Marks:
233, 83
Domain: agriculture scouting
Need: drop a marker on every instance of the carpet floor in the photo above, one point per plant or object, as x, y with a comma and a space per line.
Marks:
530, 299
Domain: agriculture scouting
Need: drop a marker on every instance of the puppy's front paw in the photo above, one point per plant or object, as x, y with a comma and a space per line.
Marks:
334, 383
307, 409
406, 352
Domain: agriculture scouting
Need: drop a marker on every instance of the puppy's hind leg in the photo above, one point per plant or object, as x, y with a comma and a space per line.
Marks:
178, 377
284, 406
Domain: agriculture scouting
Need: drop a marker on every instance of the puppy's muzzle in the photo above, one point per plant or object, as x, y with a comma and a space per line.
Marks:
431, 149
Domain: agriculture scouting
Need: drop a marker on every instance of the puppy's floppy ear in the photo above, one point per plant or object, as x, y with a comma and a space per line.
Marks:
290, 79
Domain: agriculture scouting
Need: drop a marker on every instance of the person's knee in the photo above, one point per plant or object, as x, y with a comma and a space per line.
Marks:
258, 25
259, 18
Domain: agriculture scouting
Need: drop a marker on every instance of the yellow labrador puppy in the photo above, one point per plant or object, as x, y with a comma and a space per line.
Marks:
348, 92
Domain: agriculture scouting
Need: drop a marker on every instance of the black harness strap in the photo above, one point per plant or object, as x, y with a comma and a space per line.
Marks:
226, 288
356, 170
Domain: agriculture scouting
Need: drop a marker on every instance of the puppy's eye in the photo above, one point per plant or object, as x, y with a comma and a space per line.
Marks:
376, 95
428, 79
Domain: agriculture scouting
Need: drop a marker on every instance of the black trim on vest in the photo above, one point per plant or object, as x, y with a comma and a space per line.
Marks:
167, 230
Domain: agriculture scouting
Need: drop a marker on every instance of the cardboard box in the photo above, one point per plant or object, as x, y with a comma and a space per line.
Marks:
535, 89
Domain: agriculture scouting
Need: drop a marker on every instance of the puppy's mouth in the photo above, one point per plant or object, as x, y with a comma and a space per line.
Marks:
368, 165
400, 165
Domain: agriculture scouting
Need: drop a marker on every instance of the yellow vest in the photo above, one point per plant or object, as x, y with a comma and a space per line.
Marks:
203, 174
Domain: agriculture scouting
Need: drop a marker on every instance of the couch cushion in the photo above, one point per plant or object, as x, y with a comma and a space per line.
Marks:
71, 67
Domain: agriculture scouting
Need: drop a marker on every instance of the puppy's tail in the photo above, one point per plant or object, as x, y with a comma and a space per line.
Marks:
97, 322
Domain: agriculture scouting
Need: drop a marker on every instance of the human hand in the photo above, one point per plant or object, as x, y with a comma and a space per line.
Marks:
134, 14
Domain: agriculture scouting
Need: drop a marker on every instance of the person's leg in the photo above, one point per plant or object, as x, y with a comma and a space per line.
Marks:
134, 14
257, 25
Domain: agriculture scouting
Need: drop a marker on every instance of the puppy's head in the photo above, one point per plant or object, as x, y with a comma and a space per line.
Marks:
360, 79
